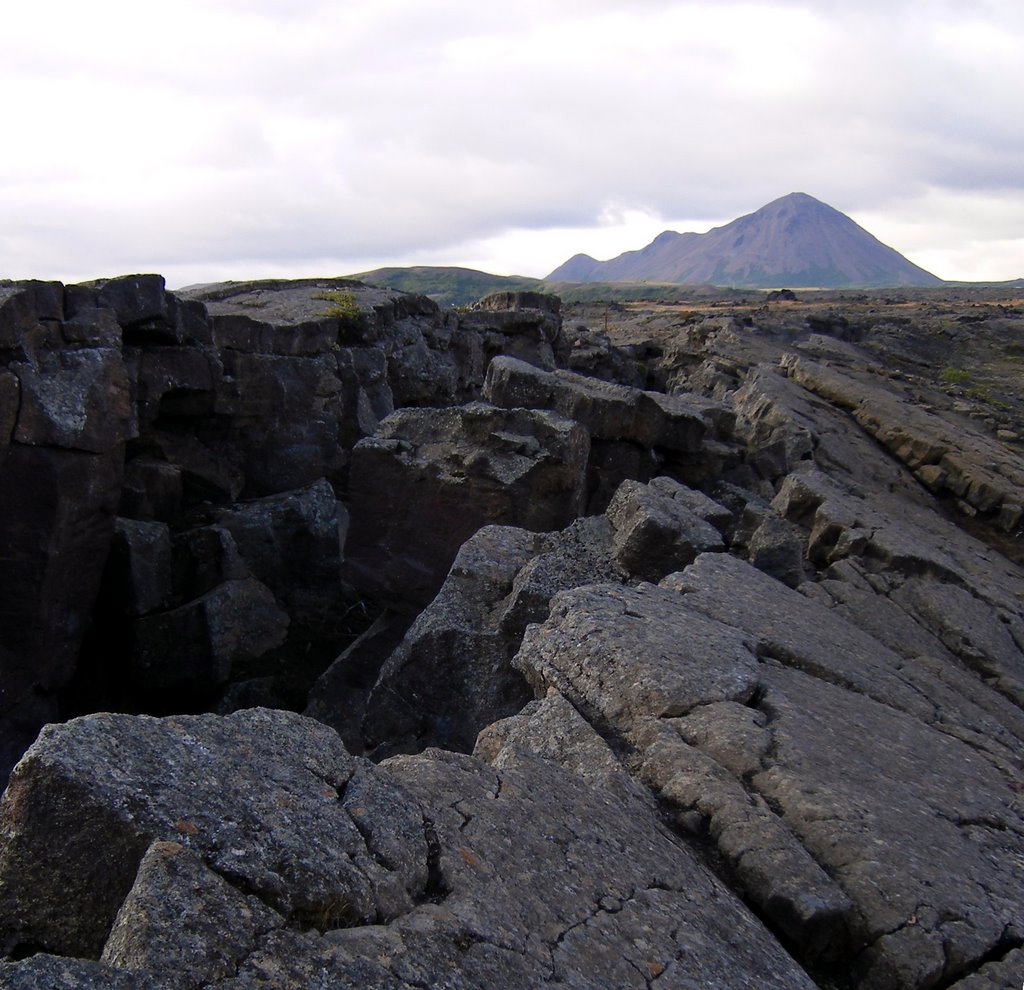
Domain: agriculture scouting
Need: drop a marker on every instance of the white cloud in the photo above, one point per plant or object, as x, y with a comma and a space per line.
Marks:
204, 138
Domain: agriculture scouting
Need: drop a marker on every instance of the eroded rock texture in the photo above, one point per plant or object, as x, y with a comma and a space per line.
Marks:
253, 850
685, 654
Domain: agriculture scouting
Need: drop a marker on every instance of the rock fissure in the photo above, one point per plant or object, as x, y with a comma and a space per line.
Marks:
750, 581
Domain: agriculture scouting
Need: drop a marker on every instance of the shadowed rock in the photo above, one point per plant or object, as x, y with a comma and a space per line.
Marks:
429, 478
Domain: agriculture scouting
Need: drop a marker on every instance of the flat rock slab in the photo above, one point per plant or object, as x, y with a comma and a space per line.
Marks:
607, 410
837, 791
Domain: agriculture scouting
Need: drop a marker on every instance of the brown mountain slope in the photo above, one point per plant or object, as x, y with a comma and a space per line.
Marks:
796, 240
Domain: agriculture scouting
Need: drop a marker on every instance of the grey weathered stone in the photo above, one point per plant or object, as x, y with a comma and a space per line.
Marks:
607, 410
695, 501
553, 730
289, 862
980, 635
847, 754
813, 757
75, 399
159, 930
271, 802
523, 325
452, 673
973, 466
597, 661
995, 975
602, 895
777, 548
656, 533
48, 972
135, 299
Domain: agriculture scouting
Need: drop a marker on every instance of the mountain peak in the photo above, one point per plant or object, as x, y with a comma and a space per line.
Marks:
795, 240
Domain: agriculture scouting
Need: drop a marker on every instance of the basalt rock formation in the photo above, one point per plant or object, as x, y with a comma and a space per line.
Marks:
381, 646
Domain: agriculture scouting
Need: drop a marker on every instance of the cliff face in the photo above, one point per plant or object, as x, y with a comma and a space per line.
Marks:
171, 467
705, 667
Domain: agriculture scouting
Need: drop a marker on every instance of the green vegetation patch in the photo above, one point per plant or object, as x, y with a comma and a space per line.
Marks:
954, 376
343, 306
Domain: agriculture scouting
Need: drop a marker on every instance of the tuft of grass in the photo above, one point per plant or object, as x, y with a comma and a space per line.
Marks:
343, 306
954, 376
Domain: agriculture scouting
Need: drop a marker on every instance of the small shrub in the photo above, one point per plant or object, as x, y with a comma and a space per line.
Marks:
343, 306
954, 376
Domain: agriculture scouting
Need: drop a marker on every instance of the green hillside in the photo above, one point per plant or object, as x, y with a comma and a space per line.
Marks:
448, 286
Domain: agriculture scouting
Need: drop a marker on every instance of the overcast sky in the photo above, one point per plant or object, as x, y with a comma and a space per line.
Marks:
243, 138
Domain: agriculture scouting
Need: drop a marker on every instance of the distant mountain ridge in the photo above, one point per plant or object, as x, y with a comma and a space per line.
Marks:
793, 241
448, 286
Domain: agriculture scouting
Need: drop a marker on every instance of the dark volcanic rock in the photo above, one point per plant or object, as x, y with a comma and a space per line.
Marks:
66, 415
522, 325
770, 701
292, 543
655, 532
607, 410
429, 478
633, 432
198, 644
452, 674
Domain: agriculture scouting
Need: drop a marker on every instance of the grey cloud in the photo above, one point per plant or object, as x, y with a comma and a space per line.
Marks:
323, 131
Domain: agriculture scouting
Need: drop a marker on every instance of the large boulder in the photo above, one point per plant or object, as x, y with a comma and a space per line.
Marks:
452, 673
522, 325
254, 851
430, 478
607, 410
271, 803
634, 433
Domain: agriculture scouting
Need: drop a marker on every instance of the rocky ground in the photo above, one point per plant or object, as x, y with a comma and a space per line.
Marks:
350, 642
